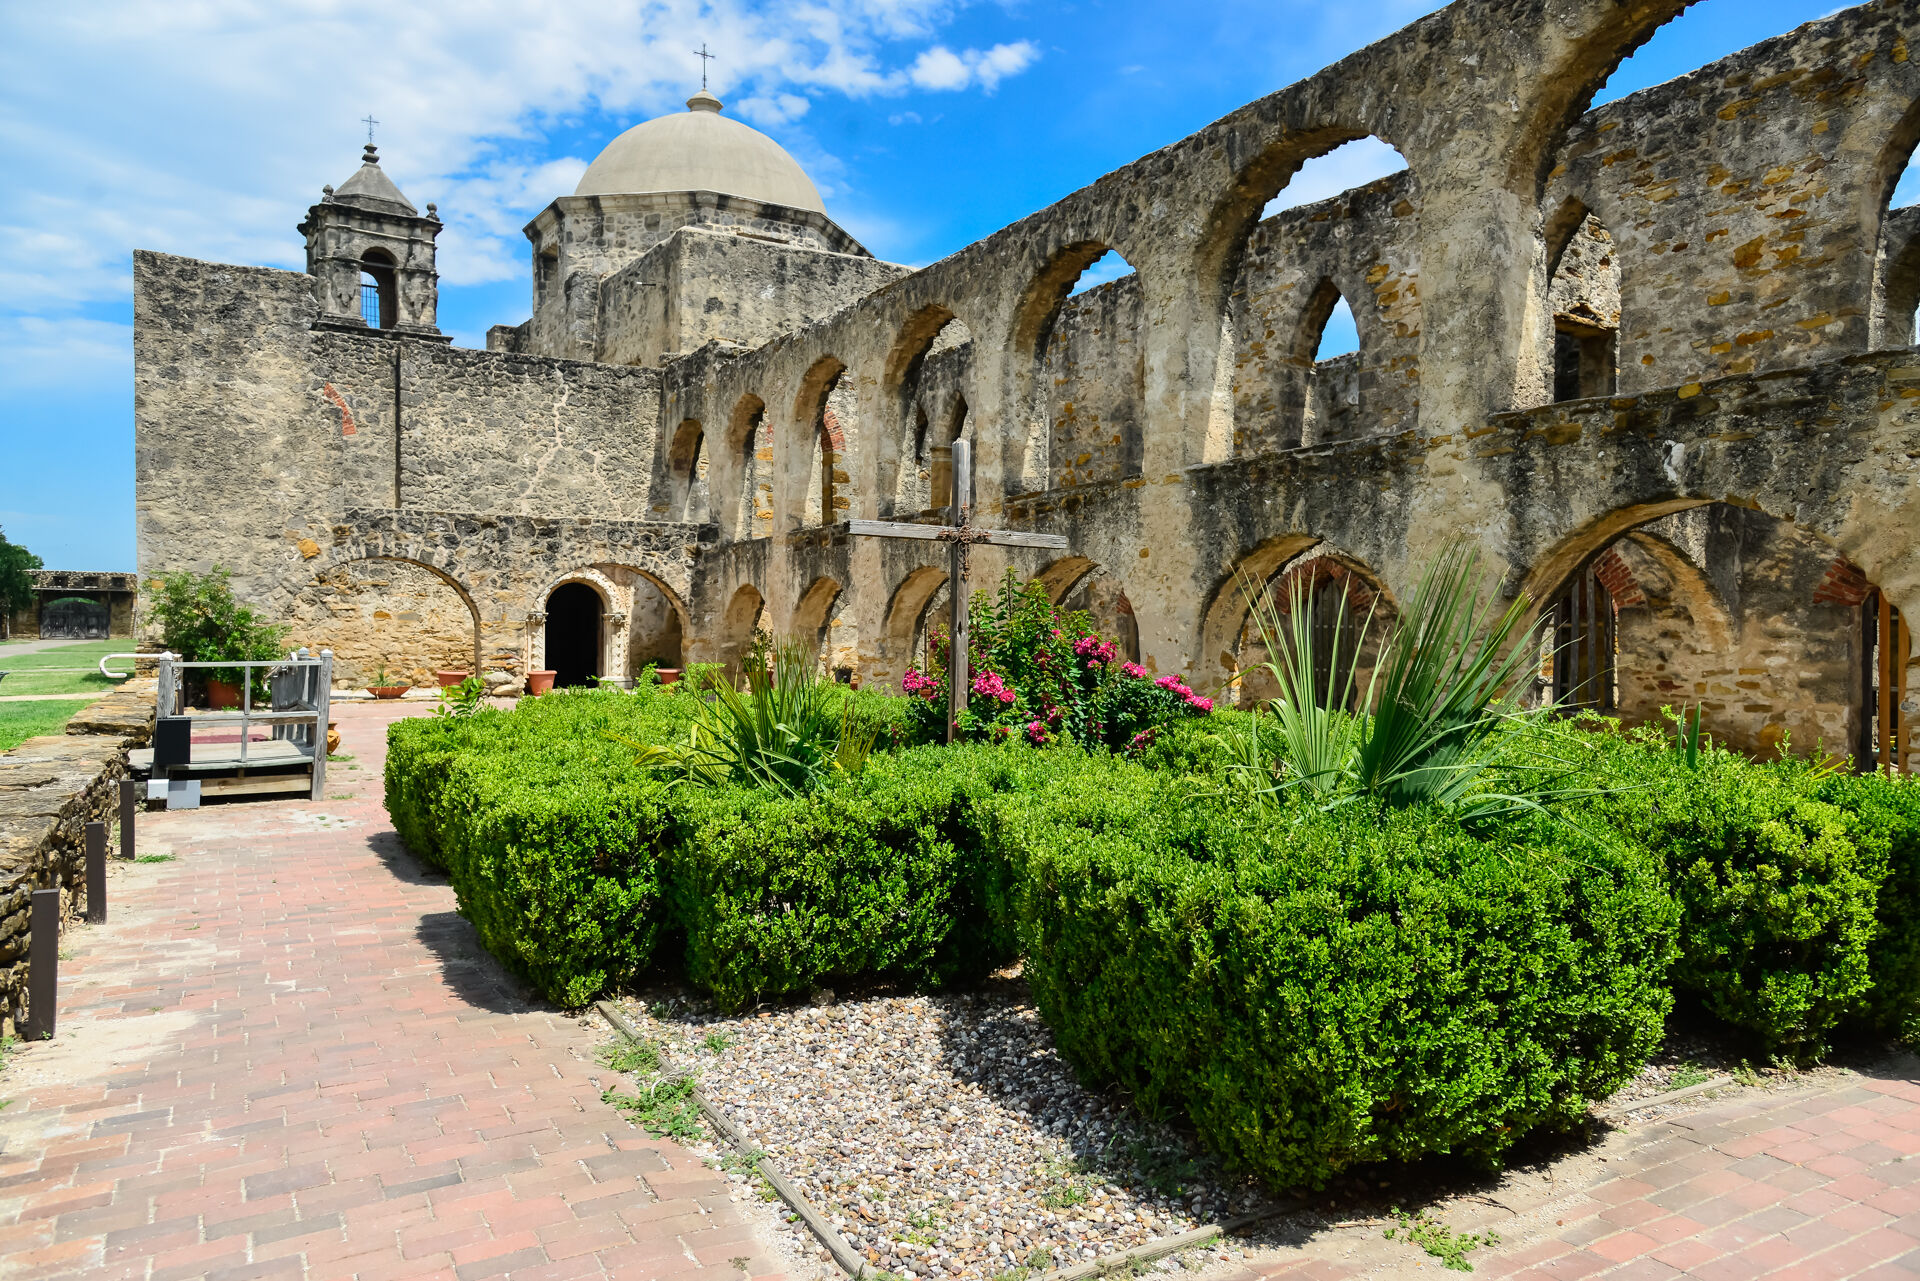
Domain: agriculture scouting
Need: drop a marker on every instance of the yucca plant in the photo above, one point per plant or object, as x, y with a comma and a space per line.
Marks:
1433, 719
1313, 731
789, 733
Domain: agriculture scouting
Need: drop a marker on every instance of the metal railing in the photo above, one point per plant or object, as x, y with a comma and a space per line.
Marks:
300, 696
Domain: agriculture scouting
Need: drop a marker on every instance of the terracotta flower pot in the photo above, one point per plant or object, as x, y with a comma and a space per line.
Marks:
221, 694
388, 691
540, 682
333, 737
668, 675
449, 679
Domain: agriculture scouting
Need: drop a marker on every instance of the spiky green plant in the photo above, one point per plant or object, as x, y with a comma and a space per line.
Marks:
1433, 720
1312, 729
790, 732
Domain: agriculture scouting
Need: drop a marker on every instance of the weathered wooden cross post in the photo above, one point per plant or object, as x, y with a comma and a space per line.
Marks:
960, 536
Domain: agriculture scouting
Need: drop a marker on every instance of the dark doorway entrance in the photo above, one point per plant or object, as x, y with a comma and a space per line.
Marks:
74, 617
573, 634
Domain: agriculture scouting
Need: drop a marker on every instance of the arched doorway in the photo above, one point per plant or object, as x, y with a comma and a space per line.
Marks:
573, 634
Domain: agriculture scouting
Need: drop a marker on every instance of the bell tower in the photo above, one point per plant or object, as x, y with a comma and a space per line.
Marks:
370, 254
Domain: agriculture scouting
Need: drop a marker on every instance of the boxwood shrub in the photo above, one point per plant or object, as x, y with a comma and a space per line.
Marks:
1886, 808
1778, 889
1323, 989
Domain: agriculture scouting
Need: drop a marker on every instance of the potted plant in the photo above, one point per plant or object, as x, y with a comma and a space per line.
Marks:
449, 678
540, 682
202, 622
667, 675
384, 685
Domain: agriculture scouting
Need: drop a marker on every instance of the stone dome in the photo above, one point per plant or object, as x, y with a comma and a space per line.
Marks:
700, 150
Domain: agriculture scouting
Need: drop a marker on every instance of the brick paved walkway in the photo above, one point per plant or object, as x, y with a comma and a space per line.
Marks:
285, 1057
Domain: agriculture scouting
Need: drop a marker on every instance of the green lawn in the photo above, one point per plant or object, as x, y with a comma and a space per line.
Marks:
22, 721
31, 674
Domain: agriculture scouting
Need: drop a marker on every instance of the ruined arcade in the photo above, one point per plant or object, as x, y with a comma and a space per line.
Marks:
1653, 360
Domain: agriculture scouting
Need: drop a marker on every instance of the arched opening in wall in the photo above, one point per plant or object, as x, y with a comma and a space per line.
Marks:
656, 634
828, 407
379, 302
832, 638
925, 374
1349, 614
1319, 321
1079, 359
687, 474
1078, 585
405, 617
1897, 262
574, 640
1583, 294
739, 624
1777, 639
749, 474
1333, 368
918, 598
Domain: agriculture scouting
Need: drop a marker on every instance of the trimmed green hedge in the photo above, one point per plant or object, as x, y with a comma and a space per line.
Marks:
1342, 988
1778, 888
1886, 808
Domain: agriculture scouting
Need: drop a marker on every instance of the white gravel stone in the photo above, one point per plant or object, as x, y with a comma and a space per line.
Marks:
942, 1135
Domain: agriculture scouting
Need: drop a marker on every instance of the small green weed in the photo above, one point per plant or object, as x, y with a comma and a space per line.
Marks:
1166, 1170
920, 1219
665, 1107
919, 1238
339, 756
153, 858
1439, 1240
1689, 1074
718, 1042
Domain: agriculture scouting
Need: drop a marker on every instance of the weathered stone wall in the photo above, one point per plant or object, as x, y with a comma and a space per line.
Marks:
386, 615
701, 285
50, 789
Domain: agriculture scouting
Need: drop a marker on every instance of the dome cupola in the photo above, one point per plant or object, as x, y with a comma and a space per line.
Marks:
700, 149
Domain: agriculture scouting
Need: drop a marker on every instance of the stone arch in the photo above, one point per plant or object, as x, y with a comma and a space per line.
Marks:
1336, 580
643, 638
813, 619
912, 443
359, 555
377, 267
738, 623
1225, 617
1750, 615
1896, 285
745, 479
610, 647
1582, 303
907, 612
822, 493
1037, 342
1079, 583
687, 468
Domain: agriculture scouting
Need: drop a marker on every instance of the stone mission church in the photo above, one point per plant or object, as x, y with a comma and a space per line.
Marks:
1654, 360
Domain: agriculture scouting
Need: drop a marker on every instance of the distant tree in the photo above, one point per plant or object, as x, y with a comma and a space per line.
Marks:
16, 580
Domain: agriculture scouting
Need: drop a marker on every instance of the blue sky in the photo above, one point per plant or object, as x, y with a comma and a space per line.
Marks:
207, 130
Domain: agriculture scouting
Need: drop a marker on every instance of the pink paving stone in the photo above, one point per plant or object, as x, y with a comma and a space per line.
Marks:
332, 1061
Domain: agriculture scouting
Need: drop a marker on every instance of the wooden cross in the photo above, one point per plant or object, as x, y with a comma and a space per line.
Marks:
960, 536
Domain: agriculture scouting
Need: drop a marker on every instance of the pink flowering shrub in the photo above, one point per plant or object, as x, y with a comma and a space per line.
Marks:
1044, 674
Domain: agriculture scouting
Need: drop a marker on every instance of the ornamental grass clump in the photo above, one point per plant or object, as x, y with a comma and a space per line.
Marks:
1039, 674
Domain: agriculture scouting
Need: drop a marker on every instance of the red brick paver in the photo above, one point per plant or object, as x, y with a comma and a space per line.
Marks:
286, 1056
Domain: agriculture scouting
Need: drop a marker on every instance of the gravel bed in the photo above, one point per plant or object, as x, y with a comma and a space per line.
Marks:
942, 1135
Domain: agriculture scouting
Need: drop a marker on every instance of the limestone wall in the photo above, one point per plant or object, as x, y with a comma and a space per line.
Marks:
1090, 383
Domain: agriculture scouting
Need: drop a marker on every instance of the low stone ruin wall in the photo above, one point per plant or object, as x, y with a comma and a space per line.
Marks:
50, 789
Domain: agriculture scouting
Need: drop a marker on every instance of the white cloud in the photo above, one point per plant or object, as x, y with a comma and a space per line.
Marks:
39, 354
207, 129
940, 68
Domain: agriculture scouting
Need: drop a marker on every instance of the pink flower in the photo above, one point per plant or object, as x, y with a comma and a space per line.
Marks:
1036, 733
1133, 669
1168, 681
989, 685
915, 683
1203, 704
